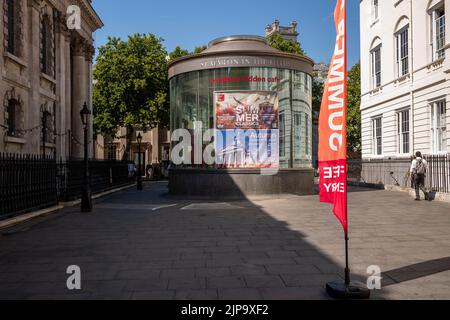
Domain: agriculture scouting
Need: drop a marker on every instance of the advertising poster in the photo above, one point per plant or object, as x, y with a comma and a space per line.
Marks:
247, 130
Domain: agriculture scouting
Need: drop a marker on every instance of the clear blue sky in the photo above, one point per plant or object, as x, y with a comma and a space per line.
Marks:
190, 23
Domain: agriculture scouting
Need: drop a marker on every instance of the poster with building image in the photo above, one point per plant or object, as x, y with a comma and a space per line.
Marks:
247, 129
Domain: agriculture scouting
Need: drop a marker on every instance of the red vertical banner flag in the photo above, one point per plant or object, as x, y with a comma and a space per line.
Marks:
333, 125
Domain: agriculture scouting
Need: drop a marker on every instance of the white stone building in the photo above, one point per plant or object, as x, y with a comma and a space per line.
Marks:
45, 75
405, 78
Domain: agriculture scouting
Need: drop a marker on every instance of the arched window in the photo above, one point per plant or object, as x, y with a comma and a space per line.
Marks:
375, 59
46, 46
12, 112
402, 47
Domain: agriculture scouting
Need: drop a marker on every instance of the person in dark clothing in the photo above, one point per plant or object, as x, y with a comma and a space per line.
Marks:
419, 167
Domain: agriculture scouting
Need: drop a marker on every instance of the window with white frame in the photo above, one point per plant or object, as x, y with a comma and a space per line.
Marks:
376, 67
438, 33
439, 126
402, 44
404, 128
377, 140
375, 10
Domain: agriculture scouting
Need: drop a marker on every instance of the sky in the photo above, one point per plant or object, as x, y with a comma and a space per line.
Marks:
191, 23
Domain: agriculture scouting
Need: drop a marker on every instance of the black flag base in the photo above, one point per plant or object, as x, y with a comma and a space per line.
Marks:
355, 290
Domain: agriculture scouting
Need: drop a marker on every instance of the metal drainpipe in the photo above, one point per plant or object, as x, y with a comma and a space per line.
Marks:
411, 94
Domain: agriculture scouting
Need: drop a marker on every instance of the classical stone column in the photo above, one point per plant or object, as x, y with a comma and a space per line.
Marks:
79, 92
32, 109
62, 76
68, 91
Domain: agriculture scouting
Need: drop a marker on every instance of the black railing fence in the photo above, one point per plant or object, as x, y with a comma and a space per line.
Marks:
382, 172
27, 183
438, 175
104, 175
31, 182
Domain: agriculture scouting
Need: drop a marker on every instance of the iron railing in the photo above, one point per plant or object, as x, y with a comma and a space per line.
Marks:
27, 183
382, 172
104, 175
438, 175
32, 182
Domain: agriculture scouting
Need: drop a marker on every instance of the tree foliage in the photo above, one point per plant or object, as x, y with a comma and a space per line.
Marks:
200, 49
354, 111
178, 52
317, 94
131, 86
278, 42
131, 83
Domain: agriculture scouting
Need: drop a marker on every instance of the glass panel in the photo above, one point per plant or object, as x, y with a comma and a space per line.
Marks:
376, 61
440, 34
282, 136
377, 136
192, 99
405, 132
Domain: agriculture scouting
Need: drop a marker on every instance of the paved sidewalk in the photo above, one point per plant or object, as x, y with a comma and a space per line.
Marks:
150, 246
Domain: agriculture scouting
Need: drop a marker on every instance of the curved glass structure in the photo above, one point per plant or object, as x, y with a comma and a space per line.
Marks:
192, 95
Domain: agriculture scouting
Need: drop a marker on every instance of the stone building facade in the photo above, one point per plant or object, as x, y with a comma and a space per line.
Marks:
46, 50
155, 147
288, 33
405, 84
405, 78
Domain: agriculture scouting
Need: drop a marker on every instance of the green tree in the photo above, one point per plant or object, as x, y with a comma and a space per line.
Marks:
131, 86
200, 49
354, 111
178, 52
317, 94
278, 42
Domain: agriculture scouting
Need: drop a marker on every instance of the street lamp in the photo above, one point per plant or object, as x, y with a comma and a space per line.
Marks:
86, 196
139, 172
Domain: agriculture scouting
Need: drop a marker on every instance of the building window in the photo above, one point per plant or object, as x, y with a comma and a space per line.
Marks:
403, 118
376, 67
402, 52
375, 10
377, 143
47, 124
111, 151
46, 46
439, 126
12, 26
438, 33
12, 119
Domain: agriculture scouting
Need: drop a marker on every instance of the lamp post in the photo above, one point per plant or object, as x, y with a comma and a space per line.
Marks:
139, 172
86, 196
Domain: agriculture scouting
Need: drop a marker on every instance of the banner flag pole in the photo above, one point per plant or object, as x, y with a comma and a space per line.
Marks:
333, 166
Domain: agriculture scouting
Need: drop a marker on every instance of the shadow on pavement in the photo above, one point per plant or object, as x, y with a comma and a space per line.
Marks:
144, 245
415, 271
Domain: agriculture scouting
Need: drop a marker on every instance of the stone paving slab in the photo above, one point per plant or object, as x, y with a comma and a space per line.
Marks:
282, 249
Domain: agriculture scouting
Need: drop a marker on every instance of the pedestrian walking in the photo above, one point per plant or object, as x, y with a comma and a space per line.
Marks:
419, 167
